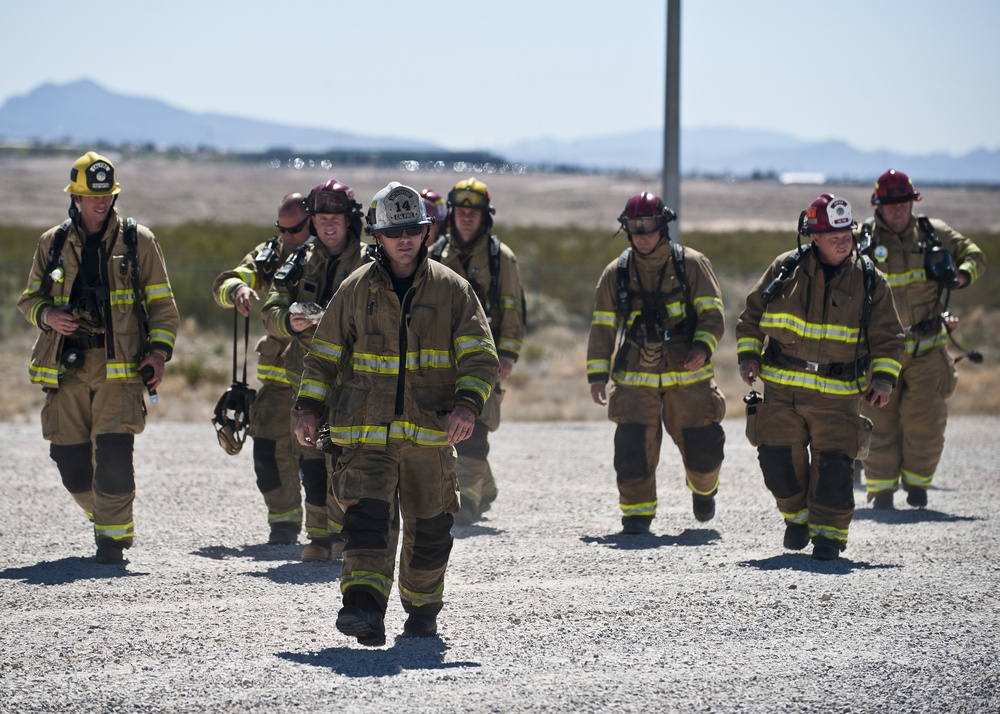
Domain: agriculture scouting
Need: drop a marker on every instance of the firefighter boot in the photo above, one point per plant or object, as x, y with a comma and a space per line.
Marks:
284, 533
318, 550
704, 507
825, 549
362, 620
109, 552
796, 535
883, 501
916, 497
421, 622
636, 525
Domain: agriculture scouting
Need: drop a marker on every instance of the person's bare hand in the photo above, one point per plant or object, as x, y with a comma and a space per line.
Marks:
158, 362
61, 320
461, 422
305, 428
506, 367
244, 297
598, 392
299, 322
749, 371
695, 360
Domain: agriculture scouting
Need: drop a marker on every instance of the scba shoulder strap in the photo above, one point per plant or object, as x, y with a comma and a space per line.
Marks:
624, 279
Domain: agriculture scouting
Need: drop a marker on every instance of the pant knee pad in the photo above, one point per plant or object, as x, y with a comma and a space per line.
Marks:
114, 472
703, 447
265, 464
835, 486
432, 542
314, 480
366, 525
630, 452
75, 467
779, 470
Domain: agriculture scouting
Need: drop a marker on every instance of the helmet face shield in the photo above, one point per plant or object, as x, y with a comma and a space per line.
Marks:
330, 202
643, 225
467, 198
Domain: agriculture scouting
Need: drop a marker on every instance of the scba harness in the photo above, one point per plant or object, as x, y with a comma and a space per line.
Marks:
232, 411
99, 297
651, 325
492, 296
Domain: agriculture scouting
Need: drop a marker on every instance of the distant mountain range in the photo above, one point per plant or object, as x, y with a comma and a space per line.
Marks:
100, 115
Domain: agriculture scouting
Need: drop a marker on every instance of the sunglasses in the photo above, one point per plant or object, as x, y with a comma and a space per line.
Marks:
399, 232
292, 229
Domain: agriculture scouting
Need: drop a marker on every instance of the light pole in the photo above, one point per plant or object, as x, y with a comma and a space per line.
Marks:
671, 114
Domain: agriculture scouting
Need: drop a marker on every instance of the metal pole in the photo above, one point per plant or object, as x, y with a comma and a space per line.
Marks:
671, 115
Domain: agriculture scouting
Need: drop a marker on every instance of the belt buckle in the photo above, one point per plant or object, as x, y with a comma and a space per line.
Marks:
812, 366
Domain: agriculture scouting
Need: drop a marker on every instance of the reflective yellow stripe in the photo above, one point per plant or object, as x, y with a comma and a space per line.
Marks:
604, 319
810, 330
914, 479
270, 373
837, 534
115, 532
810, 380
292, 516
419, 599
655, 380
598, 366
366, 577
638, 509
800, 517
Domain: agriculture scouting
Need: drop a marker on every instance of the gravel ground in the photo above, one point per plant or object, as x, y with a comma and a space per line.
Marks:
547, 607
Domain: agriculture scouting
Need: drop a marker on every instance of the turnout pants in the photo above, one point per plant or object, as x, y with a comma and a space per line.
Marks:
274, 460
806, 444
691, 416
475, 477
379, 487
908, 437
91, 422
324, 514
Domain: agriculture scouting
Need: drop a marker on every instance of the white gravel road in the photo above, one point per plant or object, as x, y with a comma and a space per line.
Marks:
547, 607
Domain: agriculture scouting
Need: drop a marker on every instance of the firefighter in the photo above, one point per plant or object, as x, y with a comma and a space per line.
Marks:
99, 292
303, 286
274, 459
821, 330
470, 249
437, 208
923, 259
666, 303
404, 360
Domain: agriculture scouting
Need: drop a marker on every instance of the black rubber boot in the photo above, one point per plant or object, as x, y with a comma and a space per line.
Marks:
916, 497
796, 535
636, 525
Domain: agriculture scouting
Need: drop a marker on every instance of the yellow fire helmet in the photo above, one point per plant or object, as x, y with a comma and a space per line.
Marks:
470, 193
92, 175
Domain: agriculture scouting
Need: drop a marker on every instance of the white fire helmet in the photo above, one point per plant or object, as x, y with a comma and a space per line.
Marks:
396, 206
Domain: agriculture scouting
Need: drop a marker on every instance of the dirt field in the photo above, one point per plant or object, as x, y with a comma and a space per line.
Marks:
159, 192
548, 608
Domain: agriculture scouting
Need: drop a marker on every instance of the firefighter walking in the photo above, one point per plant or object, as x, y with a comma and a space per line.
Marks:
924, 260
98, 290
301, 290
472, 251
816, 323
274, 461
405, 361
665, 301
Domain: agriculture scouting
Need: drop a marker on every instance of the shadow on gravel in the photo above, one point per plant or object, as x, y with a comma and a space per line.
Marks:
259, 551
405, 654
474, 530
689, 537
301, 573
804, 563
65, 571
909, 515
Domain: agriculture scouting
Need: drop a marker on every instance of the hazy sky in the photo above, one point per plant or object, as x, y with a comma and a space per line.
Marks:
914, 76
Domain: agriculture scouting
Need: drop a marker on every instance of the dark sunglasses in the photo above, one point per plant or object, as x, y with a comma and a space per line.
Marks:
293, 229
398, 232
